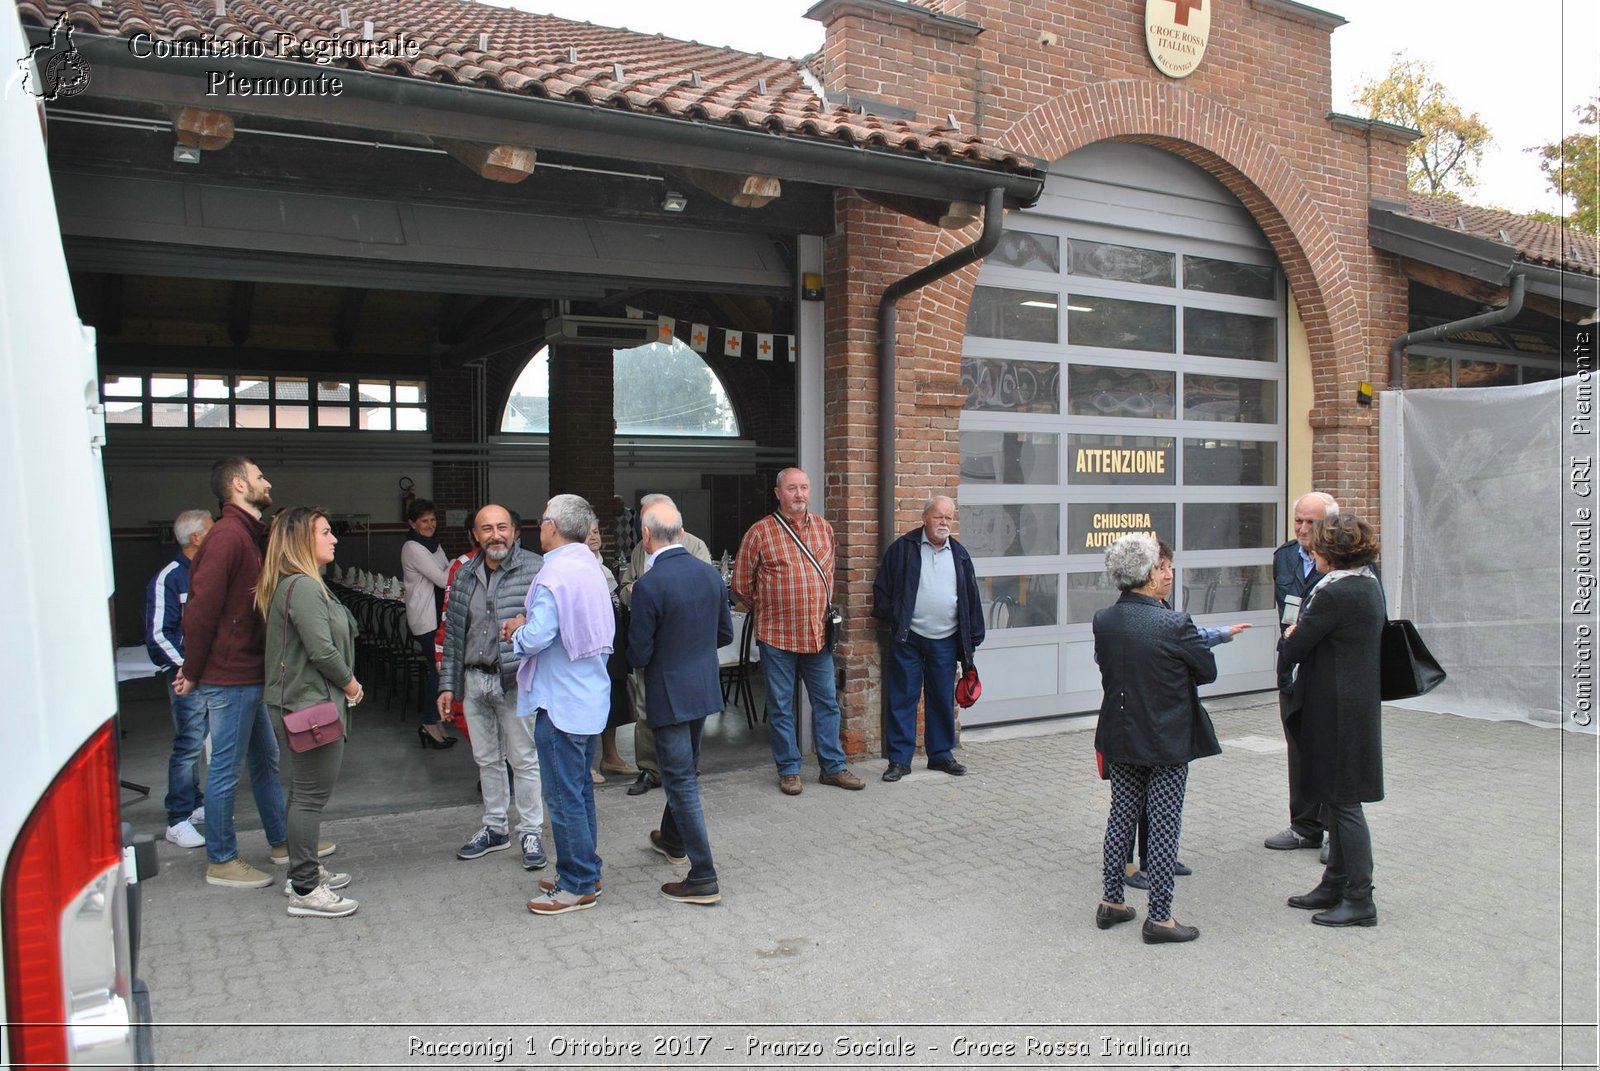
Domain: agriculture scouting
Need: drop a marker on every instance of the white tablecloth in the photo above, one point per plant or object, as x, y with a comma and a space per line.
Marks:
729, 655
134, 663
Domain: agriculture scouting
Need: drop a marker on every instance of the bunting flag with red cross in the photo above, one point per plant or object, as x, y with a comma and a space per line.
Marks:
732, 343
791, 348
666, 327
763, 347
699, 338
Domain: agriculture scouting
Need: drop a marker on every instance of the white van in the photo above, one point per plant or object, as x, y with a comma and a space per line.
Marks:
66, 935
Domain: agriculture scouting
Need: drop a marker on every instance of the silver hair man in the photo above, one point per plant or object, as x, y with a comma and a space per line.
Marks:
1326, 499
664, 523
572, 516
188, 524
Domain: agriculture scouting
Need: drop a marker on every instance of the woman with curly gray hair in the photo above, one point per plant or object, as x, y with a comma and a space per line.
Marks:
1152, 726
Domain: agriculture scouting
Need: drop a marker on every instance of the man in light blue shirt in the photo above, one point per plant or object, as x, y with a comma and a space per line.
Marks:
564, 637
928, 593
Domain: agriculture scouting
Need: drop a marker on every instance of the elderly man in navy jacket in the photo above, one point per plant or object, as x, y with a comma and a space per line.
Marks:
680, 617
926, 589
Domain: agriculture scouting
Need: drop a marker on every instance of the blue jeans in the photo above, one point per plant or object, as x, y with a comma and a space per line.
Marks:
683, 822
239, 731
183, 768
778, 669
926, 668
564, 762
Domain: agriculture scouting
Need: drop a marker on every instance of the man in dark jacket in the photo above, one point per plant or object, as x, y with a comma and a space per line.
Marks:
224, 663
680, 617
480, 668
926, 589
1294, 574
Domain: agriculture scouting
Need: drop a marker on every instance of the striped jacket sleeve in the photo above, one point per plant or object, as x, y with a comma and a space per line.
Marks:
163, 618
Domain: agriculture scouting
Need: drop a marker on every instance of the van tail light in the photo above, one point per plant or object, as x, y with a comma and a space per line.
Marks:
64, 907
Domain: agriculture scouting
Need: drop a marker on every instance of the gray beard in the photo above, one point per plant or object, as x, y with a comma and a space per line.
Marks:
498, 554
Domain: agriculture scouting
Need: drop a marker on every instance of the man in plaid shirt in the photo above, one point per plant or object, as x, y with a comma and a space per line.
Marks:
790, 599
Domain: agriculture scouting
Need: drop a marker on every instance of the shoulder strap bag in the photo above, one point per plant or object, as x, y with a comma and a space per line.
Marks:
831, 619
1406, 667
313, 726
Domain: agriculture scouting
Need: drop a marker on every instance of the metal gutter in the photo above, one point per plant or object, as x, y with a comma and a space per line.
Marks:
993, 216
1397, 365
370, 100
1420, 240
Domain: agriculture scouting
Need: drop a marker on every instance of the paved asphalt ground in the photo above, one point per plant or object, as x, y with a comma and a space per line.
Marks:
936, 922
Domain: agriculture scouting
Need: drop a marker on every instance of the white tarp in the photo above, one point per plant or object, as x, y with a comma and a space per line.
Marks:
1476, 503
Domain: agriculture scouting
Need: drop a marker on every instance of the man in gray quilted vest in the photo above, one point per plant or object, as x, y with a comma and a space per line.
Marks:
481, 668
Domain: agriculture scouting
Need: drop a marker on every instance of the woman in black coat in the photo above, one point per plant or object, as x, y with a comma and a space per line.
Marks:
1152, 725
1335, 712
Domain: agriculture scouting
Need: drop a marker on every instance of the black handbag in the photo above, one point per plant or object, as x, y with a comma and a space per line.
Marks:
1406, 667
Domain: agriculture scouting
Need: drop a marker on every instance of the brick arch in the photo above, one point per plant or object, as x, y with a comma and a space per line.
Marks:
1225, 144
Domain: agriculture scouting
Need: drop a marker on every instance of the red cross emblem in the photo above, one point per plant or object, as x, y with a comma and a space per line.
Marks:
1181, 9
766, 347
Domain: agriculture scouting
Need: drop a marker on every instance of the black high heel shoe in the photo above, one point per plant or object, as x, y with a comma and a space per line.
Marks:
427, 740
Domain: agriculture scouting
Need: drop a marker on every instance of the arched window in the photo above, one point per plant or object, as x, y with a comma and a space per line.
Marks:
662, 388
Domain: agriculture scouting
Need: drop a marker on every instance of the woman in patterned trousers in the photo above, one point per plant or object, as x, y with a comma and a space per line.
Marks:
1152, 725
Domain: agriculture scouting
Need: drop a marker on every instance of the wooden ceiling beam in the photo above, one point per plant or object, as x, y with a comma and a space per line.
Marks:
740, 191
204, 129
497, 163
951, 215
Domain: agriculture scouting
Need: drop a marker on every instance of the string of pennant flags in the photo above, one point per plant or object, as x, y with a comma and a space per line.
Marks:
735, 343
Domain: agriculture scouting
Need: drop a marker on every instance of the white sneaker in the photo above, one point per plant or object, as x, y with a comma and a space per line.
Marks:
185, 835
324, 877
321, 902
199, 815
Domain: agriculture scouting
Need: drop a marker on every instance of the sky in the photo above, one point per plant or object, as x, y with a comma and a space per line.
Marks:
1523, 67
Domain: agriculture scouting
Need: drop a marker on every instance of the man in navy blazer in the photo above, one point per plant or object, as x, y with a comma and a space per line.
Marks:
680, 618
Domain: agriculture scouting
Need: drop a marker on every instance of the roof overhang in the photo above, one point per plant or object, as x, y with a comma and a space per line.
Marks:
1475, 258
372, 101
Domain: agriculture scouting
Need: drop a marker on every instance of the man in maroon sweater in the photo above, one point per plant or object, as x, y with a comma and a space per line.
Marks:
224, 648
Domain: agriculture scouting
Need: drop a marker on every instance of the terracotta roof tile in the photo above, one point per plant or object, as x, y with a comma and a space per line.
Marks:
1538, 243
533, 55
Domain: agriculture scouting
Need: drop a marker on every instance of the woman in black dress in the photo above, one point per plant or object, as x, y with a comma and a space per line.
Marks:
1335, 712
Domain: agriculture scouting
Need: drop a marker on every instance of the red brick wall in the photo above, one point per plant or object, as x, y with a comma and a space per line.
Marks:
1254, 115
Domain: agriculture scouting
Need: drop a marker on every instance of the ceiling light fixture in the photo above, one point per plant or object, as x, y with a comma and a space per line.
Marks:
185, 154
673, 201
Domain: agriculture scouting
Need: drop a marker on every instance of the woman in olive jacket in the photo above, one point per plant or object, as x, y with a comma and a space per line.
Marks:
1335, 712
309, 658
1151, 727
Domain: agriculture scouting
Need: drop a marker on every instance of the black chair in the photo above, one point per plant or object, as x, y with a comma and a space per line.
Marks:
736, 677
405, 662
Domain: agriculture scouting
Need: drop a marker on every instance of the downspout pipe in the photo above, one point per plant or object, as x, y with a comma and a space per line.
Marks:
1397, 349
993, 216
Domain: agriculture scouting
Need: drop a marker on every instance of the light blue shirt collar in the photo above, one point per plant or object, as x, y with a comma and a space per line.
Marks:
650, 560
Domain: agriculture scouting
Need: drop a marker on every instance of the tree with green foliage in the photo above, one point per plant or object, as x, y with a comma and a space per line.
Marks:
1572, 166
1446, 158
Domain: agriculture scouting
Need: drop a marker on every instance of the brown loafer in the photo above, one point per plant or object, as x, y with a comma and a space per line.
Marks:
789, 784
843, 779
